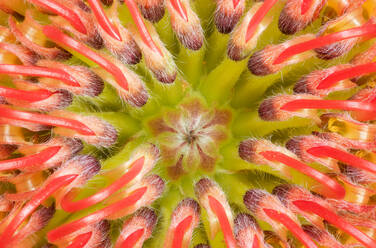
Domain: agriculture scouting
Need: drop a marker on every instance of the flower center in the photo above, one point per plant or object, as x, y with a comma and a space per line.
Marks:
190, 137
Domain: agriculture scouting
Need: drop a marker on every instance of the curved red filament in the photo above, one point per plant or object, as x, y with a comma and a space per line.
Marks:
99, 215
80, 241
235, 3
367, 30
45, 120
348, 158
256, 242
335, 190
35, 159
305, 6
333, 218
30, 206
137, 18
62, 11
132, 239
38, 71
348, 105
24, 95
257, 18
179, 7
68, 205
103, 20
347, 73
292, 226
179, 232
57, 36
220, 212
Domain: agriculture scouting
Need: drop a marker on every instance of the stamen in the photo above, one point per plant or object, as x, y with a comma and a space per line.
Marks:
63, 11
219, 211
347, 73
348, 105
70, 206
29, 96
292, 226
45, 120
348, 158
180, 8
144, 33
137, 229
32, 160
335, 189
103, 20
37, 71
57, 36
66, 229
258, 17
333, 218
367, 30
30, 206
133, 238
81, 240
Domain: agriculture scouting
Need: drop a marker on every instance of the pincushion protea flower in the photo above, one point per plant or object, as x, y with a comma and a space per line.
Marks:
177, 123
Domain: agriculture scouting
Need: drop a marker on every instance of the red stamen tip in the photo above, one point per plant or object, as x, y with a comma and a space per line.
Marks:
257, 18
323, 212
179, 7
34, 202
139, 21
305, 6
36, 159
367, 30
68, 205
62, 11
23, 95
57, 36
45, 120
180, 230
347, 73
133, 238
37, 71
219, 211
335, 190
103, 20
348, 158
291, 225
81, 240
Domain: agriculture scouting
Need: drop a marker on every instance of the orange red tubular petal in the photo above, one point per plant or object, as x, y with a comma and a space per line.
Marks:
176, 4
133, 238
292, 226
257, 18
333, 218
80, 241
335, 190
66, 229
179, 232
31, 205
103, 20
68, 205
367, 30
38, 71
219, 211
29, 96
144, 33
62, 11
45, 120
348, 158
58, 36
329, 104
35, 159
347, 73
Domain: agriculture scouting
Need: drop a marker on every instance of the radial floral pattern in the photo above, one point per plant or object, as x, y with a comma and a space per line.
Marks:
187, 123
